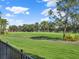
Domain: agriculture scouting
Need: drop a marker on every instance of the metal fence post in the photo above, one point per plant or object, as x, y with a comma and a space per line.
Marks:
21, 53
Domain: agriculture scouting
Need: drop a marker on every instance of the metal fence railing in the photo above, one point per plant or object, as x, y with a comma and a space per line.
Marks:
9, 52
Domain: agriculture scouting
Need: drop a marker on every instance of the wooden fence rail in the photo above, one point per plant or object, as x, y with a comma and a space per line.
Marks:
9, 52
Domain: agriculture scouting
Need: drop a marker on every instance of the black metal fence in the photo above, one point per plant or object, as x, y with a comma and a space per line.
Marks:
9, 52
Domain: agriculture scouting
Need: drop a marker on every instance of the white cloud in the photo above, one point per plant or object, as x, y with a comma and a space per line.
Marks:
17, 10
9, 15
15, 22
51, 3
27, 13
45, 12
55, 11
45, 0
12, 21
45, 19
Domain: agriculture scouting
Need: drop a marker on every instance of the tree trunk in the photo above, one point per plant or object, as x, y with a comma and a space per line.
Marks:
64, 31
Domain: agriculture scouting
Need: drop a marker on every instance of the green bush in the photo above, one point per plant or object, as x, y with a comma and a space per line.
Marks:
70, 37
77, 37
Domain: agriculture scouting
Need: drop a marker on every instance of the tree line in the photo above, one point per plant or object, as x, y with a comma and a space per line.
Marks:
46, 26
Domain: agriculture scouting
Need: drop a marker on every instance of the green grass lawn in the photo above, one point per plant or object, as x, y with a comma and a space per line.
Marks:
40, 45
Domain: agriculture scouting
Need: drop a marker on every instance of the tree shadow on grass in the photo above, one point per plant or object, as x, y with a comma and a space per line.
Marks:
45, 38
35, 56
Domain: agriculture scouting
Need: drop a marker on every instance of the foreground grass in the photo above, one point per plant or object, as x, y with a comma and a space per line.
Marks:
32, 44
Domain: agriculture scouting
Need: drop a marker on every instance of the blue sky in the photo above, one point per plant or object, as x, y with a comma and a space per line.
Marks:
19, 12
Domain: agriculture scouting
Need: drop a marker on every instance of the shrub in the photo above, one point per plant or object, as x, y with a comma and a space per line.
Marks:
70, 37
76, 37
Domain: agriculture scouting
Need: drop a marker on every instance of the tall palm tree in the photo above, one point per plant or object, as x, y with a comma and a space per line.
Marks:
44, 26
3, 24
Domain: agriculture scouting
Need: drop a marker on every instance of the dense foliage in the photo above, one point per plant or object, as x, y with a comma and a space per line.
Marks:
70, 8
3, 24
46, 26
